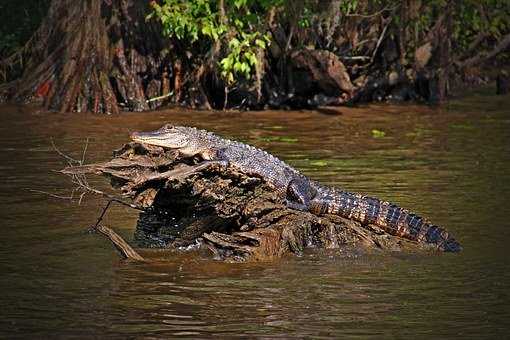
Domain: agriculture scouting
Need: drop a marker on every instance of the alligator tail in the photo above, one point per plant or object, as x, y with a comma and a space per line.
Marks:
389, 217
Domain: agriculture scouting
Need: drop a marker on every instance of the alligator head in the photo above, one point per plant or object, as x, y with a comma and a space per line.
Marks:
187, 140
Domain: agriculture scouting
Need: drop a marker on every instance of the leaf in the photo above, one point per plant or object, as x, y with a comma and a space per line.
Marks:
226, 63
234, 43
252, 58
318, 163
239, 3
260, 43
378, 133
245, 68
238, 67
239, 23
206, 30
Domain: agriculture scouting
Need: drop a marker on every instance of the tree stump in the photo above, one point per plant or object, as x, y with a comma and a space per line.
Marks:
189, 202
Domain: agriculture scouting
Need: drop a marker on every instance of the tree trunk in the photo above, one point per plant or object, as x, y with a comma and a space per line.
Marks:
93, 55
444, 54
502, 83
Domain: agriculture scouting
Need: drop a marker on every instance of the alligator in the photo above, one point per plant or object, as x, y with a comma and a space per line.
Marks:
297, 190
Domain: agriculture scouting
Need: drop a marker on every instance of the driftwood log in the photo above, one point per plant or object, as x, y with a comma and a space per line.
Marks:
189, 202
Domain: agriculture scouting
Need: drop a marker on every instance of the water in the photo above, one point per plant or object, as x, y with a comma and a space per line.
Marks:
449, 164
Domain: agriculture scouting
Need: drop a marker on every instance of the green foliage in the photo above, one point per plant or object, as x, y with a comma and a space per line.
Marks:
491, 17
240, 31
242, 58
189, 19
349, 6
471, 18
306, 18
240, 28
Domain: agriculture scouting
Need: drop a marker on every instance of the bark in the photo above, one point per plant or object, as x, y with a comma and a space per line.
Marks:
122, 246
322, 69
93, 55
503, 83
444, 54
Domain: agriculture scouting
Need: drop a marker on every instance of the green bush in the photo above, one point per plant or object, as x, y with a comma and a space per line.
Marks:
240, 32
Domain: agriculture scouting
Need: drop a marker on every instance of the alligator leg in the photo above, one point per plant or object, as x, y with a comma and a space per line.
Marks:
299, 193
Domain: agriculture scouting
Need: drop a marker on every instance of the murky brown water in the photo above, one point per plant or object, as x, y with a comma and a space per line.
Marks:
451, 165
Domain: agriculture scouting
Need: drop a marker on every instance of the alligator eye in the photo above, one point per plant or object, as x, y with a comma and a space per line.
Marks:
168, 127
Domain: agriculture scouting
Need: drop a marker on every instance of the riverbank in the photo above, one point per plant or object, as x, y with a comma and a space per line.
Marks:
253, 55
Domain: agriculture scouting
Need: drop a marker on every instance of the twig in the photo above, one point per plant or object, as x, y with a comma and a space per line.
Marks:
17, 56
105, 209
84, 152
289, 39
125, 249
52, 195
82, 184
385, 9
81, 197
69, 159
379, 41
361, 57
160, 97
86, 187
100, 218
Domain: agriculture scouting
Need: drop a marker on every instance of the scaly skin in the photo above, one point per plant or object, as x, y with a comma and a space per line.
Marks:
388, 216
298, 191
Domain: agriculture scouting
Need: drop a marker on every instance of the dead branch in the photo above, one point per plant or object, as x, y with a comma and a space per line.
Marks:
122, 246
81, 182
367, 16
484, 56
70, 160
82, 186
379, 41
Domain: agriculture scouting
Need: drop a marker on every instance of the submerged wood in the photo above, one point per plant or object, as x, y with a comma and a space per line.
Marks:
189, 202
122, 246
